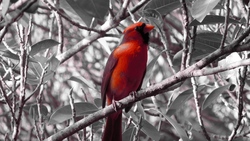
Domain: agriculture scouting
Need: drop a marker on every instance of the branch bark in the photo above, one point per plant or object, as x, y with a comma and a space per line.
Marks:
158, 88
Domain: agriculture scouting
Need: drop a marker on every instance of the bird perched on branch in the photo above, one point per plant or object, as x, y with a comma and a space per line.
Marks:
124, 73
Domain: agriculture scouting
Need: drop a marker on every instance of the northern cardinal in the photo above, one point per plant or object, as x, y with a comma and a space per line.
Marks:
124, 72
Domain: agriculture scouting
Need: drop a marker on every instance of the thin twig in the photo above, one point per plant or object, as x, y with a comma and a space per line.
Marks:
220, 68
58, 11
73, 110
40, 82
60, 30
138, 128
23, 56
194, 85
40, 116
225, 24
7, 99
71, 101
242, 73
185, 35
109, 24
5, 29
198, 108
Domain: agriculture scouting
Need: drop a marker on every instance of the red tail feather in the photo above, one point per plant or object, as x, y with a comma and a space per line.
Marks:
113, 127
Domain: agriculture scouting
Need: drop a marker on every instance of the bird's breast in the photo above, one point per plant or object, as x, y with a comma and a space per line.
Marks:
128, 72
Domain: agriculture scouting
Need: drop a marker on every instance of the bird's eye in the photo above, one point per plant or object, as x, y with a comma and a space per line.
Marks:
143, 25
137, 28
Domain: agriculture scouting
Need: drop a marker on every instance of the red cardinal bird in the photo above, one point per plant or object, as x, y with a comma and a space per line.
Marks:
124, 73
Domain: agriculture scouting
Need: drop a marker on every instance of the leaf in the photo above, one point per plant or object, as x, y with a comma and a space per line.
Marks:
197, 136
31, 9
3, 72
207, 41
180, 131
163, 6
42, 45
73, 15
10, 55
83, 81
213, 95
212, 19
149, 70
128, 134
24, 20
93, 8
181, 99
177, 58
53, 63
64, 113
201, 8
33, 111
150, 130
36, 69
98, 102
5, 7
230, 74
146, 127
154, 17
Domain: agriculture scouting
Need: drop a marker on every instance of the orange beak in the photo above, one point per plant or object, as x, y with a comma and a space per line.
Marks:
148, 28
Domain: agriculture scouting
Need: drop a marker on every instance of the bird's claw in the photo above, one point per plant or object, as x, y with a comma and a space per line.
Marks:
115, 104
133, 94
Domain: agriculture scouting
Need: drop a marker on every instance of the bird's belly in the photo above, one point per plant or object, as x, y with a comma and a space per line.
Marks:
127, 77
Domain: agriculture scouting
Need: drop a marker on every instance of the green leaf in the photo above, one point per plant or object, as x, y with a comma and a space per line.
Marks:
201, 8
213, 95
163, 6
212, 19
64, 113
181, 99
42, 45
180, 131
94, 8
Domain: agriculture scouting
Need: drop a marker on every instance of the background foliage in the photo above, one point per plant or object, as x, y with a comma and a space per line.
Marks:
53, 53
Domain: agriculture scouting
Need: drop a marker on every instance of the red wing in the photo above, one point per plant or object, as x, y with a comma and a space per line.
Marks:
106, 77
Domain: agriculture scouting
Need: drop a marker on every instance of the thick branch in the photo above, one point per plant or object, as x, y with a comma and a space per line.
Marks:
150, 91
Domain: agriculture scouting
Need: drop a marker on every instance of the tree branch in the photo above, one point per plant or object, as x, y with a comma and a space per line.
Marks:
158, 88
109, 24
